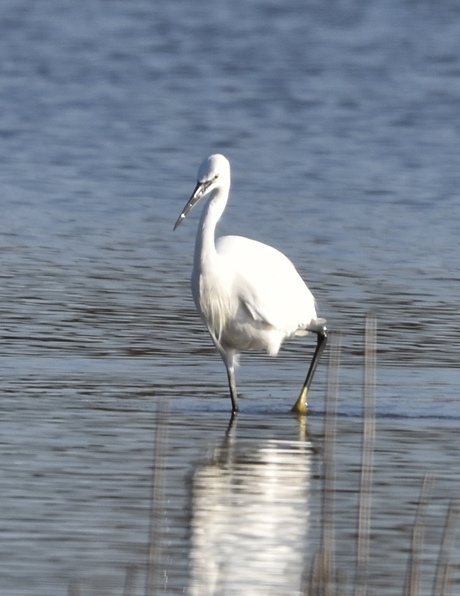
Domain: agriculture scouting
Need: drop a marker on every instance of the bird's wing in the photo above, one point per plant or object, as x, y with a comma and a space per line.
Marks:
267, 284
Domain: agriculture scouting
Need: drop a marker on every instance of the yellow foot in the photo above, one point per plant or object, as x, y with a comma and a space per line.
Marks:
301, 406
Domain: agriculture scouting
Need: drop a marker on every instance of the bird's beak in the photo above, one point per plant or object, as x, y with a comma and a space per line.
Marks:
198, 193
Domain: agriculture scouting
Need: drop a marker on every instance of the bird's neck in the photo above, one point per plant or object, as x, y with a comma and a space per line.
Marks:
205, 245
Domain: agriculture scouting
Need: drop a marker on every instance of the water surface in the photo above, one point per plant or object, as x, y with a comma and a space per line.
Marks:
341, 123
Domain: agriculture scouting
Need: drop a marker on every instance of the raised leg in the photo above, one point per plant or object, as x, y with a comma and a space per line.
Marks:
301, 405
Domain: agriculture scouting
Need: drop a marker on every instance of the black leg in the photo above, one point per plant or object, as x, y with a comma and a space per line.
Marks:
232, 387
301, 406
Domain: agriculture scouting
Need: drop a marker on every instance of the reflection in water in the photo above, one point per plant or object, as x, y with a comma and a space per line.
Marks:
250, 519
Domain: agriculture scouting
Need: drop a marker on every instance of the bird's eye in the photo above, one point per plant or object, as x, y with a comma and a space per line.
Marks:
215, 177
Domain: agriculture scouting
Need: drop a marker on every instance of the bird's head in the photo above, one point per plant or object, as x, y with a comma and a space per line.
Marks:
212, 173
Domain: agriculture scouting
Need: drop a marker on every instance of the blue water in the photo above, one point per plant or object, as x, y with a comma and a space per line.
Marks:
341, 122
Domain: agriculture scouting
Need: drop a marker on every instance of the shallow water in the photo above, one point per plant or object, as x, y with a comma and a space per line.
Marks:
341, 124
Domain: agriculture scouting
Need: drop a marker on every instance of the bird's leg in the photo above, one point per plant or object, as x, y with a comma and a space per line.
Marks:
230, 358
301, 406
232, 386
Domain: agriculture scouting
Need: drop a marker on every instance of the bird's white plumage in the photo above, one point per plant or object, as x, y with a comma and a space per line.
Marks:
250, 295
269, 284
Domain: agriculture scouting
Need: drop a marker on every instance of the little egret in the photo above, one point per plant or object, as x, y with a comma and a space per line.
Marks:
249, 295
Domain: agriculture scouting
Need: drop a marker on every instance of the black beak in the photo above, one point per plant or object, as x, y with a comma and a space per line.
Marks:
198, 193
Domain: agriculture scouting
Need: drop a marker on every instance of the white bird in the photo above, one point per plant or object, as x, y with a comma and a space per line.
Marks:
249, 295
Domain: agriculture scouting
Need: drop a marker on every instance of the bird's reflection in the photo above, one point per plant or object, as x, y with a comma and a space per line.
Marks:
250, 517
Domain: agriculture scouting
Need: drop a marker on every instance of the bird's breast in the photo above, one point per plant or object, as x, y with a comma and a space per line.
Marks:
231, 324
214, 301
